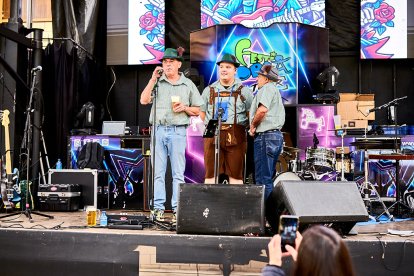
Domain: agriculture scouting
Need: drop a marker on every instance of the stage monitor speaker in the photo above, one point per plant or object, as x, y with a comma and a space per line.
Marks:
220, 209
336, 204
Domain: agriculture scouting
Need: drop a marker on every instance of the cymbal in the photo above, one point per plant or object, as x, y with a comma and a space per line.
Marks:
291, 149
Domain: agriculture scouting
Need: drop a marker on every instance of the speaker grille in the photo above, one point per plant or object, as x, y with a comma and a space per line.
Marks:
317, 202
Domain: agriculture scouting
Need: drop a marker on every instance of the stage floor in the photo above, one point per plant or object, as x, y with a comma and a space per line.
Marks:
65, 246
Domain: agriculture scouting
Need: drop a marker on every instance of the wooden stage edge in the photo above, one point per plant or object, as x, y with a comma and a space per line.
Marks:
65, 246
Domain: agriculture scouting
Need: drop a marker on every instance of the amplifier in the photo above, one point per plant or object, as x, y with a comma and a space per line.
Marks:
59, 197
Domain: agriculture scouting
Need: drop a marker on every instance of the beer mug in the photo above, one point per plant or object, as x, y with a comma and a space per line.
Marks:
174, 100
92, 215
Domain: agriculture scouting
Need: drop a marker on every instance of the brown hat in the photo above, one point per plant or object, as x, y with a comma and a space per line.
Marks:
269, 72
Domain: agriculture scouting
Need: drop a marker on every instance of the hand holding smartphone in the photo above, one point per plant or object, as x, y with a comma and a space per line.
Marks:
288, 225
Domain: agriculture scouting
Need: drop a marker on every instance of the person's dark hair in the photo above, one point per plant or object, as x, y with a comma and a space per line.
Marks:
322, 252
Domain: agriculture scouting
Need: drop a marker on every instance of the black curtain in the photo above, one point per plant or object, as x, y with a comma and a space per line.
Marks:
74, 71
343, 21
60, 97
181, 18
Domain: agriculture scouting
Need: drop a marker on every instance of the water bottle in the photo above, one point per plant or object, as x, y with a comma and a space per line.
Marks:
103, 219
58, 165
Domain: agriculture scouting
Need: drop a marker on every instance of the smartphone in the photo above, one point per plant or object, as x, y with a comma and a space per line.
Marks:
288, 225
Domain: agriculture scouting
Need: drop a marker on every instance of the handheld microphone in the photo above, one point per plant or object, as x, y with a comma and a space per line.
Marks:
37, 68
375, 109
160, 71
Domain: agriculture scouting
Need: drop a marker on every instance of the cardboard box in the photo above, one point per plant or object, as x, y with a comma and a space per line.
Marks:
353, 106
350, 124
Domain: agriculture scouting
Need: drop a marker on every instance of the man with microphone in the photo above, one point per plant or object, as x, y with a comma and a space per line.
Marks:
177, 98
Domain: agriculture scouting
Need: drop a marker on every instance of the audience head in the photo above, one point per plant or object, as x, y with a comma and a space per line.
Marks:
322, 252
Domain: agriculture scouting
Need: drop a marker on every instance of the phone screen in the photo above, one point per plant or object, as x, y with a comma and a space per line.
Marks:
288, 226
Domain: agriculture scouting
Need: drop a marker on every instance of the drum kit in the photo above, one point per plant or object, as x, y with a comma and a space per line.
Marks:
318, 165
321, 164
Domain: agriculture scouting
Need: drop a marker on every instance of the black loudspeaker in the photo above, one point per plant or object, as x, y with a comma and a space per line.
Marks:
336, 204
220, 209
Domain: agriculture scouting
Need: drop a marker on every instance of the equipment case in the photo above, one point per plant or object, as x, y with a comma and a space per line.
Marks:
91, 181
59, 197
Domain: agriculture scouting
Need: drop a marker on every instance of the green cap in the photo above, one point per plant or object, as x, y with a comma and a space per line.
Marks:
229, 58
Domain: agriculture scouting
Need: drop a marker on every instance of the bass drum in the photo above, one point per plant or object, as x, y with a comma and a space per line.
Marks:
286, 176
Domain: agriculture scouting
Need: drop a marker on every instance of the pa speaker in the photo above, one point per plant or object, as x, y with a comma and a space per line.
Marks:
337, 204
220, 209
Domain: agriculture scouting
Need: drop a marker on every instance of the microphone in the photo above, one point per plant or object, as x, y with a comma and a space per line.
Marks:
37, 68
160, 71
315, 141
375, 109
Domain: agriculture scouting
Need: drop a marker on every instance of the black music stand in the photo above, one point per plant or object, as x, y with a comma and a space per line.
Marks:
213, 128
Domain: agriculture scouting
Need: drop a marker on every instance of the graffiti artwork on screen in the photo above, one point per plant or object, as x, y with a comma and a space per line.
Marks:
146, 31
383, 29
317, 120
255, 50
125, 168
255, 13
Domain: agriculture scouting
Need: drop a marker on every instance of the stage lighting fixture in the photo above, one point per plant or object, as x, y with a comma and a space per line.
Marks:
329, 79
87, 115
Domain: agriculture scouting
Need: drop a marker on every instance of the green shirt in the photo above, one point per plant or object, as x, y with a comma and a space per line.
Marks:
269, 96
189, 96
242, 107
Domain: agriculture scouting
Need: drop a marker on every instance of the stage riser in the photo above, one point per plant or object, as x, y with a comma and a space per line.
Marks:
74, 253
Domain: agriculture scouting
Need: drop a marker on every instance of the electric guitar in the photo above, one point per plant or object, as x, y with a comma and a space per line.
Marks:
247, 20
315, 6
9, 192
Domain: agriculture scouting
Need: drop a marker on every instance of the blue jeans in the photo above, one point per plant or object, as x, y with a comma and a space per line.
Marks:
267, 148
170, 141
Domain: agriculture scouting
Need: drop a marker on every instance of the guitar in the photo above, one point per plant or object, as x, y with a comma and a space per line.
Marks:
9, 192
315, 6
247, 20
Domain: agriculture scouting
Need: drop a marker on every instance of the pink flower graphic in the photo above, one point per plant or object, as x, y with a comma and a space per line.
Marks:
161, 18
147, 21
204, 18
384, 13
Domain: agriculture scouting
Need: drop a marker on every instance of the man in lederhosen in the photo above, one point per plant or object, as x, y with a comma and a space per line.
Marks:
235, 101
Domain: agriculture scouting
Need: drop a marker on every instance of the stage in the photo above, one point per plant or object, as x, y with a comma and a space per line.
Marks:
66, 246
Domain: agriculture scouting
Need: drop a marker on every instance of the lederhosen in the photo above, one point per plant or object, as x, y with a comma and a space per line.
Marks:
231, 135
233, 132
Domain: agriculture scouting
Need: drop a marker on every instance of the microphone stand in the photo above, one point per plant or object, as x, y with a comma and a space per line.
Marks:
153, 142
220, 112
27, 139
393, 103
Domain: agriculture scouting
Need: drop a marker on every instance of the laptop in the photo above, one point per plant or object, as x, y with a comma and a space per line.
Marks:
113, 127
